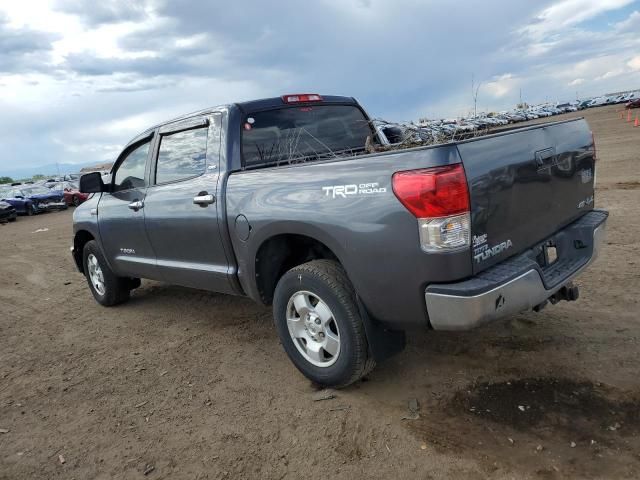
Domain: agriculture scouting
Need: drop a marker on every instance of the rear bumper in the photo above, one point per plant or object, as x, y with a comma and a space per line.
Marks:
520, 283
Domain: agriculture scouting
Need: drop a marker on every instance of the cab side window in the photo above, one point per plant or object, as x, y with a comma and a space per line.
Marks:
182, 155
130, 173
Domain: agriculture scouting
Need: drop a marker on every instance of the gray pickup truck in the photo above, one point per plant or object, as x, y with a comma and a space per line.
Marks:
280, 200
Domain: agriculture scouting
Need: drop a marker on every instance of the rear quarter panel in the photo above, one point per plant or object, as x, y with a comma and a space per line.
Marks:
361, 221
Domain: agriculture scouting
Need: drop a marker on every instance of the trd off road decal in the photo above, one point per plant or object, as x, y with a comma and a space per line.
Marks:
343, 191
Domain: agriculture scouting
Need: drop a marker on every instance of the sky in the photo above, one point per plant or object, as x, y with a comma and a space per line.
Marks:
79, 79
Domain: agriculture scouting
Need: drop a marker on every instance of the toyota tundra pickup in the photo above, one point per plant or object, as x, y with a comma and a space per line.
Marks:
283, 200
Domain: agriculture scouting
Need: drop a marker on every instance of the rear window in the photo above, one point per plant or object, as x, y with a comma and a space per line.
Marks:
303, 133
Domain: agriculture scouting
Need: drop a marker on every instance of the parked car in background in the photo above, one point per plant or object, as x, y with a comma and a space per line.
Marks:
16, 198
7, 212
72, 195
43, 199
566, 107
633, 104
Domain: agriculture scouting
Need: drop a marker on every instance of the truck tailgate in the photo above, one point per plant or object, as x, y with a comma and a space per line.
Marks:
526, 184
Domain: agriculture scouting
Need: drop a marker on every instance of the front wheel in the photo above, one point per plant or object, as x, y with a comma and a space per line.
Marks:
319, 324
107, 288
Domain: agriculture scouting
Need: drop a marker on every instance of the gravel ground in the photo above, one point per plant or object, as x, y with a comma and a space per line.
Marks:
180, 383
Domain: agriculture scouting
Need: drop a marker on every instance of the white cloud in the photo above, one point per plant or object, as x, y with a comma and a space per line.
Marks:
634, 63
631, 24
576, 82
568, 13
610, 74
502, 85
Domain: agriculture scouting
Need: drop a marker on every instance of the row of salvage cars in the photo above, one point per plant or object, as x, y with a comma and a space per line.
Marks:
444, 130
438, 131
33, 199
484, 122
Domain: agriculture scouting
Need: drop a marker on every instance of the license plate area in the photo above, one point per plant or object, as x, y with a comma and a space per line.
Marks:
548, 254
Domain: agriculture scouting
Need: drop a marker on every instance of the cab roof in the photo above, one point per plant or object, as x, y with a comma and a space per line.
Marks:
274, 102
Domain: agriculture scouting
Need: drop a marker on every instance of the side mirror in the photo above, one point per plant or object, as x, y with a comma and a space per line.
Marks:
92, 183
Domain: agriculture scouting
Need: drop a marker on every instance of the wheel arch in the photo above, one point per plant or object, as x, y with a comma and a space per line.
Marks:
279, 253
80, 239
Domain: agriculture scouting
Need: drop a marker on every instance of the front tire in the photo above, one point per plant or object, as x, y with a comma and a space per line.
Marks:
319, 324
107, 288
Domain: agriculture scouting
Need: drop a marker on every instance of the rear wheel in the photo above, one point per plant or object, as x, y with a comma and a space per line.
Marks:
107, 288
319, 324
75, 200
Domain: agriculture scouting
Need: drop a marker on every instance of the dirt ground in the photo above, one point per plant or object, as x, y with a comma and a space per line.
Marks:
186, 384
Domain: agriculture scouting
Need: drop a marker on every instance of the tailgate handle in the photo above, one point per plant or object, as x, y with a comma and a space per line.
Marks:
544, 156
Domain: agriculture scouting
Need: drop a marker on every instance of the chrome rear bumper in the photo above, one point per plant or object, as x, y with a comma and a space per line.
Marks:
461, 310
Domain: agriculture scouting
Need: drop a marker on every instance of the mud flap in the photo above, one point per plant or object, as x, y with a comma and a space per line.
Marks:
383, 342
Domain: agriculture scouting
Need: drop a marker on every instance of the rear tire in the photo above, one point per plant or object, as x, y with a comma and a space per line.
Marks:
319, 324
107, 288
75, 201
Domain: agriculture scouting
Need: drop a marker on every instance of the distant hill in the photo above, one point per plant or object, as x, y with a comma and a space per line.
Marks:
50, 169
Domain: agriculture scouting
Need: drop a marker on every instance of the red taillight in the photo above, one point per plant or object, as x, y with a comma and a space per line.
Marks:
301, 98
433, 192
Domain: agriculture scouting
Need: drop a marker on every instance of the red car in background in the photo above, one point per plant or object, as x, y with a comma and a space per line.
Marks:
633, 104
72, 196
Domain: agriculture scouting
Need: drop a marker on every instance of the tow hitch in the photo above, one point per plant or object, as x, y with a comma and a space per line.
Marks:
569, 292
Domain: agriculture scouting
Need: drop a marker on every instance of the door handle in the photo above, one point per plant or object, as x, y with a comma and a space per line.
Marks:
203, 199
136, 205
